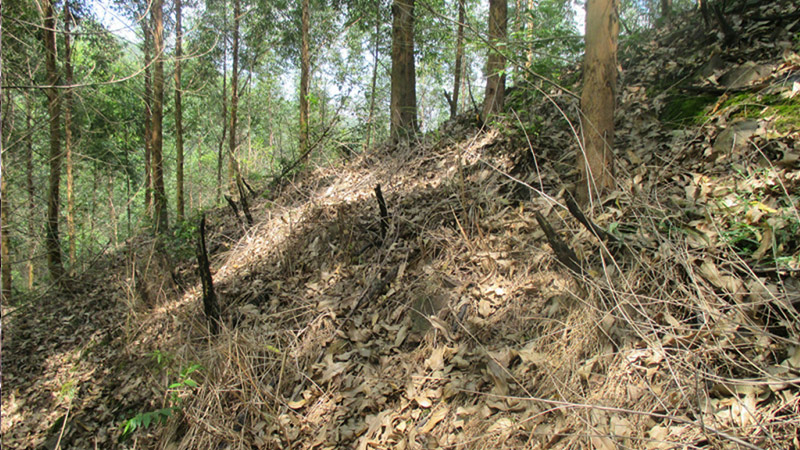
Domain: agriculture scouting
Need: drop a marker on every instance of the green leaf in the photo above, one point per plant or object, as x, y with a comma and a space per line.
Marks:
190, 382
146, 419
273, 349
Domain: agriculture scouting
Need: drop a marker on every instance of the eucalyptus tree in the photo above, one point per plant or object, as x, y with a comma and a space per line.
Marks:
159, 193
52, 241
68, 140
305, 69
458, 66
596, 162
494, 99
179, 182
403, 107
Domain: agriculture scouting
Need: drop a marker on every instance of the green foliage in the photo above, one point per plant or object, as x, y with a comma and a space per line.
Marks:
177, 392
144, 420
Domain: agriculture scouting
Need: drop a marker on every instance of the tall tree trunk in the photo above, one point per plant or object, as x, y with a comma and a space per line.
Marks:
148, 118
221, 149
598, 97
666, 10
530, 27
32, 209
159, 193
305, 68
232, 172
5, 239
68, 136
178, 112
54, 264
112, 210
459, 58
495, 66
404, 90
371, 118
5, 260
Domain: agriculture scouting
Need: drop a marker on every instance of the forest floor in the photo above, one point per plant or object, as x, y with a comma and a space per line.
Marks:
452, 324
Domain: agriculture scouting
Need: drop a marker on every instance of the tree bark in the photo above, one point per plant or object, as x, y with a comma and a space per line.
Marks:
232, 187
68, 136
5, 241
54, 264
595, 163
371, 118
210, 304
221, 150
159, 194
666, 10
32, 209
305, 67
5, 238
495, 66
459, 63
404, 91
178, 113
148, 118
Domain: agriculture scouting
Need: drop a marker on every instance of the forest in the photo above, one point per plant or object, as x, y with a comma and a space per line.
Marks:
313, 224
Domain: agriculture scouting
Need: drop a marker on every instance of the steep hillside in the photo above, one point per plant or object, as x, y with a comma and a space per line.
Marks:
454, 324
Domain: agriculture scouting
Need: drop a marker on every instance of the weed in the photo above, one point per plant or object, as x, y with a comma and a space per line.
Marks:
177, 392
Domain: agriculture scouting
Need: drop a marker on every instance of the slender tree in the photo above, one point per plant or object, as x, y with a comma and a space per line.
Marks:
5, 277
666, 10
178, 112
159, 193
71, 235
5, 240
305, 68
496, 65
148, 116
459, 63
233, 189
373, 90
32, 209
403, 105
597, 100
221, 149
54, 264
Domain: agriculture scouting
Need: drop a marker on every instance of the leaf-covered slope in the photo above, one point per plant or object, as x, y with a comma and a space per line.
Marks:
458, 327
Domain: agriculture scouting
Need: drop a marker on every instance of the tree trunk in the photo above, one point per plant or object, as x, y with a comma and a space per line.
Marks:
371, 117
221, 149
597, 100
232, 188
68, 136
5, 241
495, 66
459, 63
530, 27
404, 91
178, 113
666, 10
148, 118
702, 5
112, 210
54, 263
159, 193
305, 67
32, 209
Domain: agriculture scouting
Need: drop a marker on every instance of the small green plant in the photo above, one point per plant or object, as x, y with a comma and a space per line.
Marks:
177, 392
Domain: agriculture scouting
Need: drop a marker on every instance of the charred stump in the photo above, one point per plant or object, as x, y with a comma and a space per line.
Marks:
210, 304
